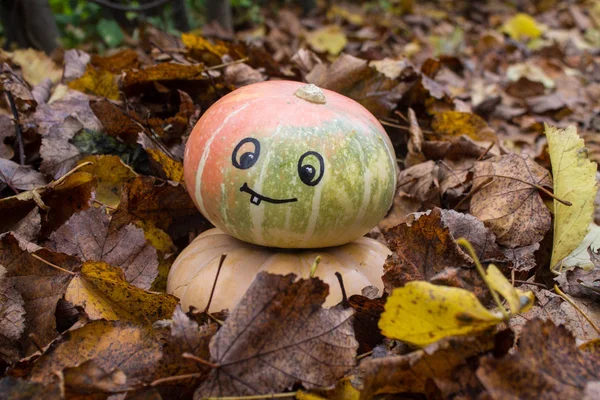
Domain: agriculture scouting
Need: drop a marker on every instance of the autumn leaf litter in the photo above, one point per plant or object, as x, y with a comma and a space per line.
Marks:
494, 117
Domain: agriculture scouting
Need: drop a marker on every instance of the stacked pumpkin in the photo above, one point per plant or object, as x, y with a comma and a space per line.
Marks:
286, 172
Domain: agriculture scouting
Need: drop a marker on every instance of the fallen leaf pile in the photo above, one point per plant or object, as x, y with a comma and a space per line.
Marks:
492, 289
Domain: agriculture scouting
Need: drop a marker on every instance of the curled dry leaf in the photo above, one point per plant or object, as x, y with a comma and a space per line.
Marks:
116, 121
507, 201
547, 365
278, 335
135, 350
90, 236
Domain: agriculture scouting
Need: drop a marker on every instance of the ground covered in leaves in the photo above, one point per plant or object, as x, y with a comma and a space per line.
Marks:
477, 101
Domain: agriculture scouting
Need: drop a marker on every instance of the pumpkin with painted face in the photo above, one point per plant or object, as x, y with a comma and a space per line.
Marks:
289, 165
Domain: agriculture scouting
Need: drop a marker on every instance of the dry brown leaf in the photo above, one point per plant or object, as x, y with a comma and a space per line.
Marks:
185, 336
75, 64
36, 66
135, 351
421, 250
547, 365
506, 201
117, 62
12, 319
39, 284
163, 72
103, 293
116, 121
164, 204
7, 130
18, 89
58, 123
396, 374
278, 335
90, 236
20, 177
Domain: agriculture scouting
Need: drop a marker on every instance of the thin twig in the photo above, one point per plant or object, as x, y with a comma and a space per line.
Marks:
15, 113
212, 292
382, 122
575, 306
535, 185
467, 245
531, 283
363, 355
52, 265
199, 360
175, 378
121, 7
240, 61
486, 151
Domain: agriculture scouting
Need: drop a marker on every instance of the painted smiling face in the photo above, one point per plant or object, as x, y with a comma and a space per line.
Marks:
284, 165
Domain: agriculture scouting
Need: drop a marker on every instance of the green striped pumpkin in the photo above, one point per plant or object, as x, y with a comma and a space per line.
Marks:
284, 164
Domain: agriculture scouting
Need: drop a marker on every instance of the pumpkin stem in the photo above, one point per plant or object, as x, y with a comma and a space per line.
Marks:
341, 281
311, 93
221, 261
313, 268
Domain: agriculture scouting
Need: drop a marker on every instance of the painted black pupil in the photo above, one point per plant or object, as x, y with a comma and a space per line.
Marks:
247, 160
311, 174
307, 173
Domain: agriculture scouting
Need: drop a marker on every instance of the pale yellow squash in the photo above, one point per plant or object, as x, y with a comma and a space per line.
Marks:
193, 272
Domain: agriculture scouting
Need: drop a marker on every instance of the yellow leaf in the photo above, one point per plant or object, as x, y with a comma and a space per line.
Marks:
195, 42
574, 181
98, 82
450, 124
111, 173
103, 292
522, 26
422, 313
518, 301
343, 390
172, 169
36, 66
328, 39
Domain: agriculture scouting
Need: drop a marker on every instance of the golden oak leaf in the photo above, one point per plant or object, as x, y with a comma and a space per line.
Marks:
172, 169
575, 182
102, 291
449, 124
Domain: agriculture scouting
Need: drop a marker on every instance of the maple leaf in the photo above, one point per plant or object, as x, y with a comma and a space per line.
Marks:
575, 182
277, 335
547, 364
507, 199
90, 236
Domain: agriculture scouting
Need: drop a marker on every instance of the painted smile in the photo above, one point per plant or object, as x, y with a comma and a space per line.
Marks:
256, 198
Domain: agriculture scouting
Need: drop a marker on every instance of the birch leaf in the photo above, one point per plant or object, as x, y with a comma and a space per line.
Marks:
574, 181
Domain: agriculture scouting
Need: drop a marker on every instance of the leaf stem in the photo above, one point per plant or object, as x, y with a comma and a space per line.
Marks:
467, 245
575, 306
52, 265
202, 361
174, 378
315, 264
535, 185
255, 397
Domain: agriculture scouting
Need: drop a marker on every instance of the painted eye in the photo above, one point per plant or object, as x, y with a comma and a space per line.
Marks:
246, 153
311, 168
